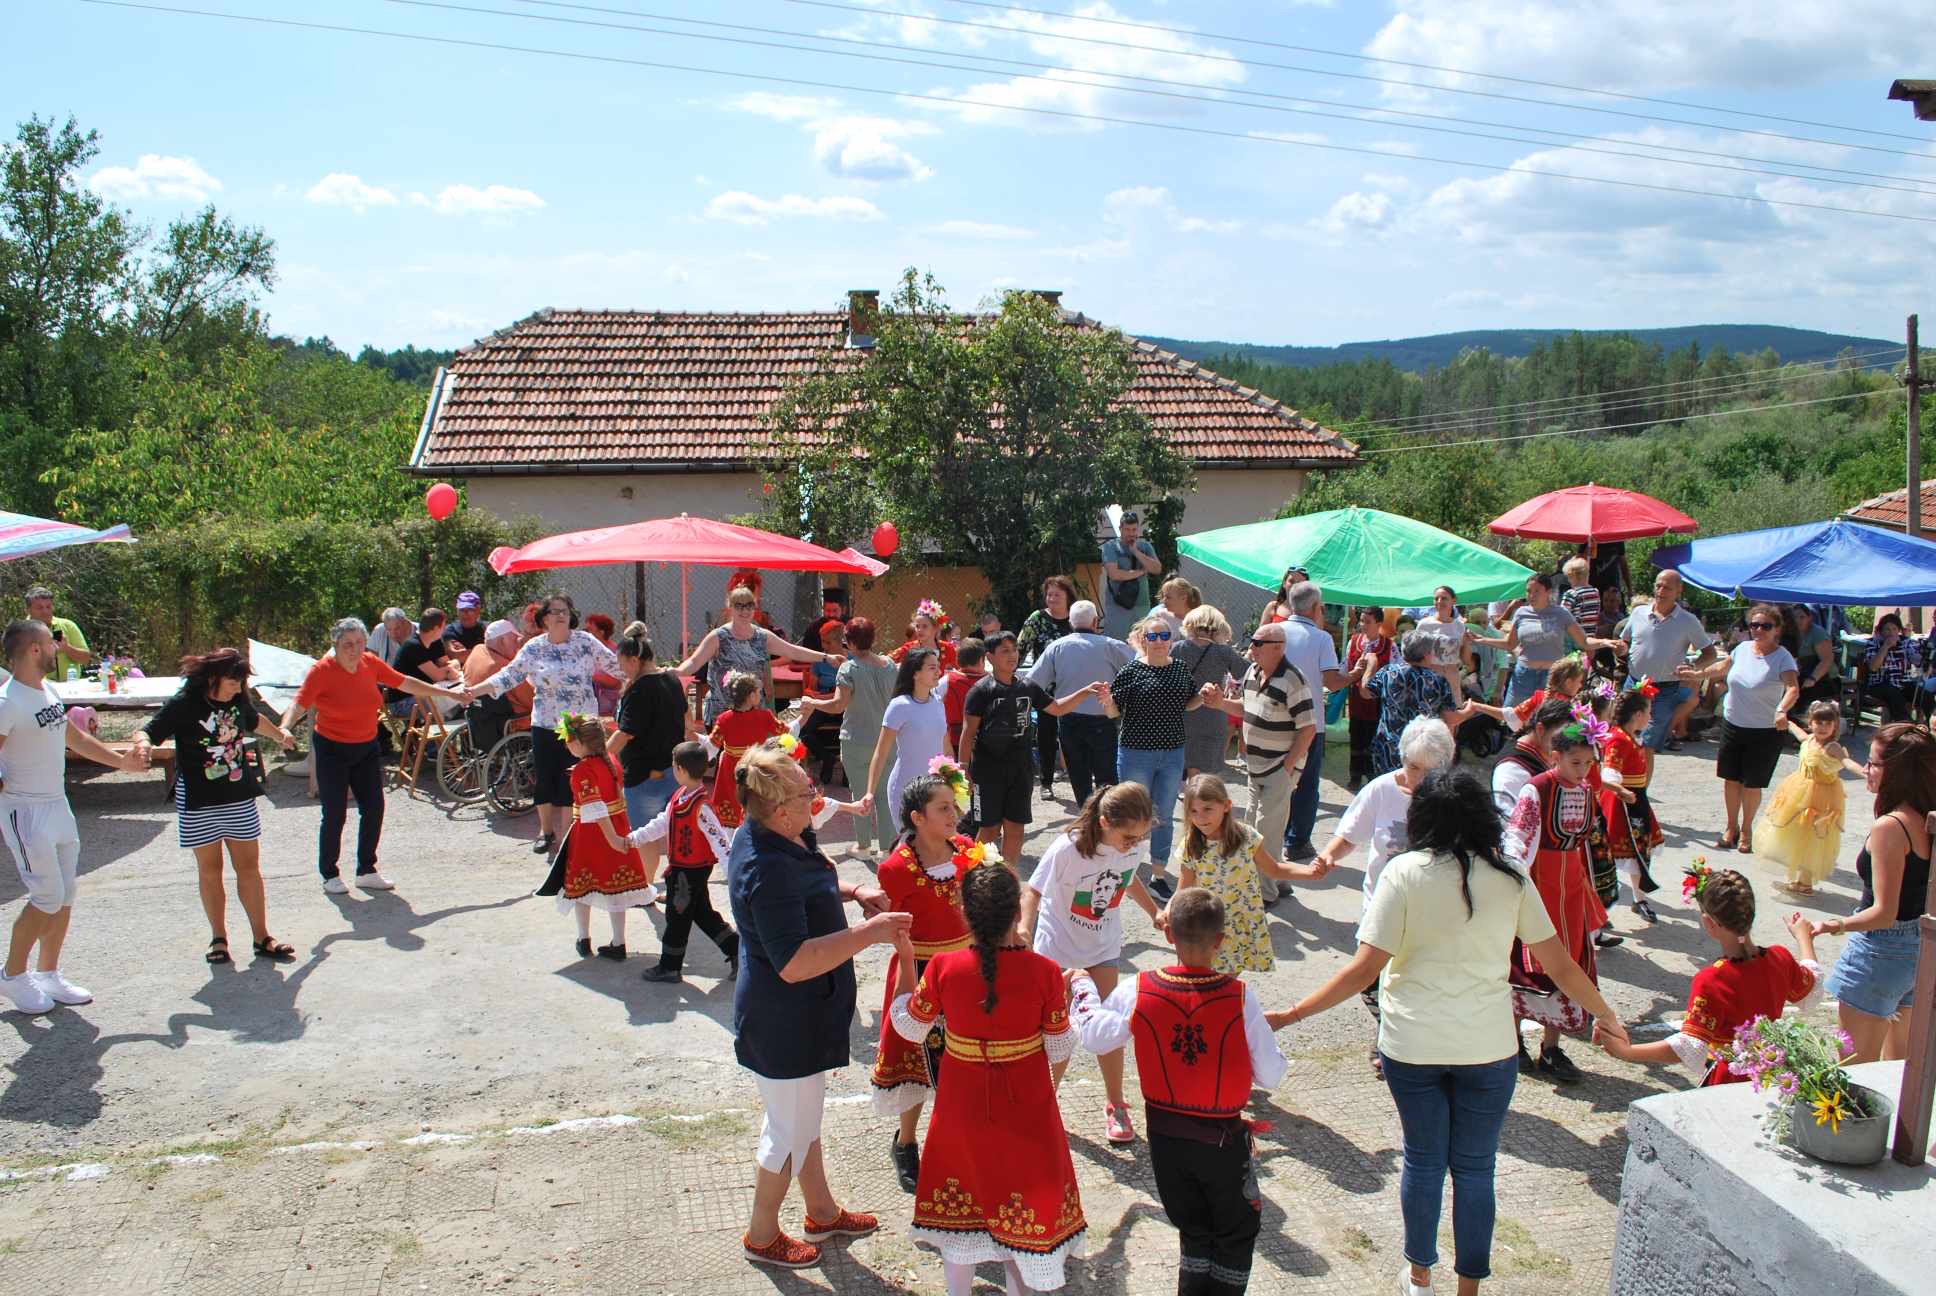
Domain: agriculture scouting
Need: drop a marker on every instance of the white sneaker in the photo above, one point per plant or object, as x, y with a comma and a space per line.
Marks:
26, 993
336, 886
375, 882
61, 990
1406, 1287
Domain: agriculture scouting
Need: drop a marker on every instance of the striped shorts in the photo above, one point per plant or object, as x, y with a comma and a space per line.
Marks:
236, 821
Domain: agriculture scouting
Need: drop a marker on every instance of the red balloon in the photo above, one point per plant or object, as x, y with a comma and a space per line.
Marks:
887, 538
441, 500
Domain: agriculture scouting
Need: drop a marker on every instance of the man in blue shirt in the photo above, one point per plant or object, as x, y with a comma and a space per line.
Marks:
1309, 647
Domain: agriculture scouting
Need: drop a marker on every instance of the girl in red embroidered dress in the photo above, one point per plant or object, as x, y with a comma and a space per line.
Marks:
1632, 831
996, 1180
735, 733
921, 876
1546, 836
597, 866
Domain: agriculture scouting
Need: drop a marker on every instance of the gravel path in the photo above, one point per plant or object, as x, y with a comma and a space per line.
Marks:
456, 1007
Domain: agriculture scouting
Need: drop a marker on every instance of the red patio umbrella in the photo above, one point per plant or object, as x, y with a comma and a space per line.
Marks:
1591, 514
685, 540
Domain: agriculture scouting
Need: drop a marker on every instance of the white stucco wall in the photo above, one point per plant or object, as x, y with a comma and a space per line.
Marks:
1232, 496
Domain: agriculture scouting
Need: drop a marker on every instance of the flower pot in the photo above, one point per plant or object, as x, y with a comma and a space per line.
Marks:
1860, 1141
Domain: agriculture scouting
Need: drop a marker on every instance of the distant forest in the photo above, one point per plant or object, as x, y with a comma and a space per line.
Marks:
413, 365
1796, 346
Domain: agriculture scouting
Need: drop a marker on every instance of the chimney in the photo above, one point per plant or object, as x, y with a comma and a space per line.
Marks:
863, 315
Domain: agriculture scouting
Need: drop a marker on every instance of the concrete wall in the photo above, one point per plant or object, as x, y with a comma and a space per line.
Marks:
1232, 496
1710, 1207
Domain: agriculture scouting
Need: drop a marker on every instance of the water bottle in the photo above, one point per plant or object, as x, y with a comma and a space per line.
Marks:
73, 672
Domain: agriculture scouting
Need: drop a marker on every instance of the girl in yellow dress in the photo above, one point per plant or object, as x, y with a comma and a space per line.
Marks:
1802, 826
1224, 855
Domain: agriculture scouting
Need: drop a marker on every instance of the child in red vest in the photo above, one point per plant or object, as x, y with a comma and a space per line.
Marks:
1747, 982
1197, 1069
694, 841
970, 658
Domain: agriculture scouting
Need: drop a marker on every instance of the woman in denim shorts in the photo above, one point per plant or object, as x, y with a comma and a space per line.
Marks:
1876, 974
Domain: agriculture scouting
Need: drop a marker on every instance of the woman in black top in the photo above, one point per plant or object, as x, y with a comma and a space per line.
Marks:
1875, 975
1041, 628
793, 1005
651, 722
1150, 696
218, 776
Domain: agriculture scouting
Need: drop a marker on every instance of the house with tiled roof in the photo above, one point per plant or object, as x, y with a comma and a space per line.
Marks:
592, 418
587, 418
1892, 510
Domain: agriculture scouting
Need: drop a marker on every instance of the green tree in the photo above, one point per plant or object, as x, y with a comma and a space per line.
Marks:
997, 439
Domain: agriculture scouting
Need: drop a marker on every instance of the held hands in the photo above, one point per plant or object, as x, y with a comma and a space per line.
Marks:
1211, 694
1799, 927
866, 804
1278, 1020
872, 900
1626, 796
904, 944
1611, 1036
887, 928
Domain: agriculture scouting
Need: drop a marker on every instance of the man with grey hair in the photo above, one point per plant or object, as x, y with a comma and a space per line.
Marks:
1082, 659
396, 630
1309, 648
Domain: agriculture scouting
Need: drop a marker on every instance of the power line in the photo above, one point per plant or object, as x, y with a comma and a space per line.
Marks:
946, 101
1687, 390
1357, 76
1616, 427
1423, 67
1218, 95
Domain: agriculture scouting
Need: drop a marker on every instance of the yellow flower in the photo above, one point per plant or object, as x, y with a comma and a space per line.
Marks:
1830, 1112
978, 852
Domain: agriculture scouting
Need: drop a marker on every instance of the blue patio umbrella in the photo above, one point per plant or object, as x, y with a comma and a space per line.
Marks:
1836, 562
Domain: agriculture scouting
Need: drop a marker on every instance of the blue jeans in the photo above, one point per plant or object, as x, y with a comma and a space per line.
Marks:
1451, 1116
1304, 799
1524, 682
1666, 701
644, 801
1162, 773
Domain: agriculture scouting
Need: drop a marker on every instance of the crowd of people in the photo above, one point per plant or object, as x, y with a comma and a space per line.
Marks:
1485, 898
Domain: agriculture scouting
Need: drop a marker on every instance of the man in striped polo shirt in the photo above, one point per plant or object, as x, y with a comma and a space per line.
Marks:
1280, 721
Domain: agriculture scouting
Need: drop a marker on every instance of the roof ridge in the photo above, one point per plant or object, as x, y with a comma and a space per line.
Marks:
1899, 493
1197, 369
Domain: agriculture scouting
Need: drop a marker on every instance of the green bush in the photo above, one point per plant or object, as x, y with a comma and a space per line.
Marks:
220, 582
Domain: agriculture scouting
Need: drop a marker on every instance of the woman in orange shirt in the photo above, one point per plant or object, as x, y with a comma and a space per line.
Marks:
345, 689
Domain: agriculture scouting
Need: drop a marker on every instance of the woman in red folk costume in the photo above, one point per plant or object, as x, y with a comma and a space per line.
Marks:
996, 1180
597, 867
1546, 837
922, 876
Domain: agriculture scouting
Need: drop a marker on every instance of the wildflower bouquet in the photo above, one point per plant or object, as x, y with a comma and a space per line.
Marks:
1802, 1064
956, 778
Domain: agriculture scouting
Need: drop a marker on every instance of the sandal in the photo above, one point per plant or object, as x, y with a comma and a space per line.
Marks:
1729, 841
218, 951
270, 948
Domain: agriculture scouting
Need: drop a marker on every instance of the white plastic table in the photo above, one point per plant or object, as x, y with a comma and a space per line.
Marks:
145, 694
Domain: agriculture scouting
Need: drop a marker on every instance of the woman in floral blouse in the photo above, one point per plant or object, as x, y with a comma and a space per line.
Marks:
1405, 689
559, 664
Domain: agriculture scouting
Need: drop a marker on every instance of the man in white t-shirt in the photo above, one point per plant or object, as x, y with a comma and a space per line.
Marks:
35, 817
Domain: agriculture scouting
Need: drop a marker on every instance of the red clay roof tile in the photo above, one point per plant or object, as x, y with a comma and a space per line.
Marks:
661, 390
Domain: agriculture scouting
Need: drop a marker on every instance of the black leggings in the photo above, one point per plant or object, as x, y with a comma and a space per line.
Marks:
344, 770
1045, 747
1362, 732
689, 904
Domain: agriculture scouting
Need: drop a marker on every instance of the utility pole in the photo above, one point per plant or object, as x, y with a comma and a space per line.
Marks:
1913, 521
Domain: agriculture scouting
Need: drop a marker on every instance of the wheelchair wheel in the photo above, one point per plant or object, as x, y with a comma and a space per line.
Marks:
510, 780
460, 766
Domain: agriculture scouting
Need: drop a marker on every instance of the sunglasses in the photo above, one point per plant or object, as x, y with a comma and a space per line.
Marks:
1254, 643
1156, 636
1761, 625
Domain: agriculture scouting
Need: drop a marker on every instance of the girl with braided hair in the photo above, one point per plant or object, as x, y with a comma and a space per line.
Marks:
996, 1181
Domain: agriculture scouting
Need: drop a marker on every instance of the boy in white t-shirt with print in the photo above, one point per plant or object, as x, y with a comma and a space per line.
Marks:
1071, 908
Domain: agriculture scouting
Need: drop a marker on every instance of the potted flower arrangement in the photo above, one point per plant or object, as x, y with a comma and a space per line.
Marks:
116, 670
1826, 1114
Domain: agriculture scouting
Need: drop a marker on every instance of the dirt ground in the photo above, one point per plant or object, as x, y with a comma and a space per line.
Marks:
439, 1096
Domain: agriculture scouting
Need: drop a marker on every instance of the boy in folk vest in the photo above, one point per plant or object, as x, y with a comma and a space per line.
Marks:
693, 841
1201, 1044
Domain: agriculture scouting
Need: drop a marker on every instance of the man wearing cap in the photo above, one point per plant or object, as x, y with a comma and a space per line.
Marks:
467, 631
1127, 564
1281, 717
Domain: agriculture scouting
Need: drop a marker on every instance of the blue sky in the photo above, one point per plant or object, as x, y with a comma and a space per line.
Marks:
430, 193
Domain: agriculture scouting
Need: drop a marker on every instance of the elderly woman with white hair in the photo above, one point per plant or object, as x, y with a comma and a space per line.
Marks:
1206, 653
1405, 690
1377, 816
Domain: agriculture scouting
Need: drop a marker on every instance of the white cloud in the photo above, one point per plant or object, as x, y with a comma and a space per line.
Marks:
1357, 213
341, 189
982, 230
743, 208
155, 176
851, 146
1646, 45
464, 200
1139, 204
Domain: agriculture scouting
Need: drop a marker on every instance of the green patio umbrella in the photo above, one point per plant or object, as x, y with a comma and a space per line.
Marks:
1361, 557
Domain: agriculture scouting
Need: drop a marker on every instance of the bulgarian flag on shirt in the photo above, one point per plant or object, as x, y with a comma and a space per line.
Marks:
1101, 895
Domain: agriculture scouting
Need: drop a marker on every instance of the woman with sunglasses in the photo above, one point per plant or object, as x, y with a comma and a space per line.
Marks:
1150, 697
1763, 683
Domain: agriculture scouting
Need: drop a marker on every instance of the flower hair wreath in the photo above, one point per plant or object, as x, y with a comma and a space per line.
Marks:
933, 611
566, 723
955, 777
1695, 877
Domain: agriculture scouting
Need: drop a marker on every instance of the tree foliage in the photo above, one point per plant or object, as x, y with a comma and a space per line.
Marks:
996, 439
